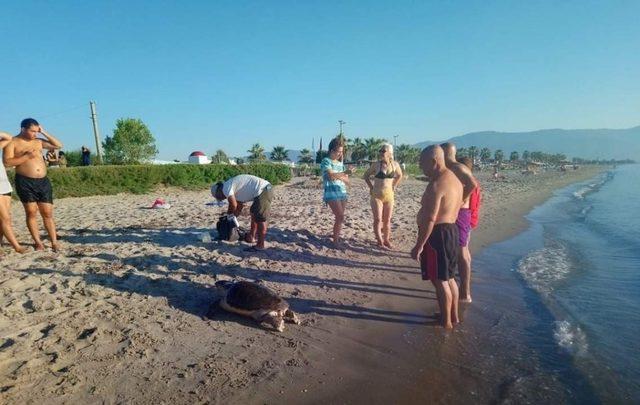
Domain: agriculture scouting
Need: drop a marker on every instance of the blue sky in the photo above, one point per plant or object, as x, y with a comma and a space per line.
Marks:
207, 75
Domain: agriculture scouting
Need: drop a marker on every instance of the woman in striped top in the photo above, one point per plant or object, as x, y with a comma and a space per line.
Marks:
335, 179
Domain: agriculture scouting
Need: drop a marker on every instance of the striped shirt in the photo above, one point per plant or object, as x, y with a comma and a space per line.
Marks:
334, 190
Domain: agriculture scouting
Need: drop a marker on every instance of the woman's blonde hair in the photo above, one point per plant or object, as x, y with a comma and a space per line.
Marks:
387, 147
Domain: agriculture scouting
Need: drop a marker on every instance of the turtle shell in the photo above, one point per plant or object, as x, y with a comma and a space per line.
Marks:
251, 296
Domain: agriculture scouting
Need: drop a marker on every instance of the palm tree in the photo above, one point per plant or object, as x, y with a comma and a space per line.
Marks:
473, 152
514, 156
278, 154
256, 153
485, 154
220, 157
305, 156
526, 155
407, 154
373, 147
498, 156
462, 152
536, 156
358, 150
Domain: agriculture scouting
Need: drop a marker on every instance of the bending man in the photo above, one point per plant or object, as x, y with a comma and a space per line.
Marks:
242, 189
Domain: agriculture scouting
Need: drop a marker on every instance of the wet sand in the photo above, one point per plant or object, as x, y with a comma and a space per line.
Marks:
127, 311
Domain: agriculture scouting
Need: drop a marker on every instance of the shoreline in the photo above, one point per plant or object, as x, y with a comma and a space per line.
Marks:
414, 361
137, 284
518, 206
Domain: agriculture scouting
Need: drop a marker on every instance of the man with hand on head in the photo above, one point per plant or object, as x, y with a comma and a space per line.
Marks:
32, 185
470, 184
437, 247
240, 190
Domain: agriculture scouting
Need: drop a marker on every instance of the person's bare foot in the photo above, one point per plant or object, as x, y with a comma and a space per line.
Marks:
38, 246
338, 245
454, 319
388, 245
248, 238
21, 249
55, 247
466, 299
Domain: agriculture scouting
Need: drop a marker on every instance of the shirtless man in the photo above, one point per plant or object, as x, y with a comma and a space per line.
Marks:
437, 247
32, 185
469, 183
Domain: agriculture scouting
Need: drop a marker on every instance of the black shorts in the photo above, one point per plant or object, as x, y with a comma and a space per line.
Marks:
439, 259
262, 205
34, 190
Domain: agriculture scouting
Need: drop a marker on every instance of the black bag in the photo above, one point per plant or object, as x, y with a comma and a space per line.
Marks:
227, 229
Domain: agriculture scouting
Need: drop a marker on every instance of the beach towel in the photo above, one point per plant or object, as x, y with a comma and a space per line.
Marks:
160, 204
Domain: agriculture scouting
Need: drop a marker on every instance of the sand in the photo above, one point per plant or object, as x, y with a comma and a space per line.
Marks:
126, 312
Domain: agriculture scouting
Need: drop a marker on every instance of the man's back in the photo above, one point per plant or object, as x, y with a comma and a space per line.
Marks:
244, 187
466, 178
448, 190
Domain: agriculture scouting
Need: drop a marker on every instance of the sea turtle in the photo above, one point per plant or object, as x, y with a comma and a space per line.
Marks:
256, 301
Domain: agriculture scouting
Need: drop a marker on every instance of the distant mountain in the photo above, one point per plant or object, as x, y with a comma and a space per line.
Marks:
583, 143
293, 155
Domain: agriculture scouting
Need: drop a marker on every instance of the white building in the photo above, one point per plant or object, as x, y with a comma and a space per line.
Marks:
198, 158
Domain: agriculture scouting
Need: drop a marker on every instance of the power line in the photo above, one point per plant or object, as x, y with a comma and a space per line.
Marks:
61, 112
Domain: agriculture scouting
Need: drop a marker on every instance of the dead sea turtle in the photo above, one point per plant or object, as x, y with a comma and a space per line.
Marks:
255, 301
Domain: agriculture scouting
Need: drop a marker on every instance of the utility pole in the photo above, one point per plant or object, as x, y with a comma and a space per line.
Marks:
341, 124
395, 141
96, 131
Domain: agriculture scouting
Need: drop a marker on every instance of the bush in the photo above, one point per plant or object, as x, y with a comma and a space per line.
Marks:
138, 179
74, 157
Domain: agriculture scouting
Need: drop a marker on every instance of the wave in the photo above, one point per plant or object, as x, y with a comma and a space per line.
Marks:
594, 186
543, 268
585, 211
571, 338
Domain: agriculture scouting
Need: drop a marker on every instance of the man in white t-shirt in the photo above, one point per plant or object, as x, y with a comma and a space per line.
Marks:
242, 189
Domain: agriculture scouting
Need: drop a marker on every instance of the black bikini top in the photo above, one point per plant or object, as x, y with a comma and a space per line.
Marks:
383, 175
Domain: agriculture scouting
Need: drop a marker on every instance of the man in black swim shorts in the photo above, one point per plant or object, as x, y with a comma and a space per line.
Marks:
32, 185
437, 247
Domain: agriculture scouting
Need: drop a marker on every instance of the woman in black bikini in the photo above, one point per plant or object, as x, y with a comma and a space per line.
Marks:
386, 175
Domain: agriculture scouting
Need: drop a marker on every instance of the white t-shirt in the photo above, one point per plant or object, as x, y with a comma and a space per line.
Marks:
5, 186
244, 187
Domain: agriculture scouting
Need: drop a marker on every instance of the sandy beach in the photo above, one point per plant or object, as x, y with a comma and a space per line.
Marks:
126, 312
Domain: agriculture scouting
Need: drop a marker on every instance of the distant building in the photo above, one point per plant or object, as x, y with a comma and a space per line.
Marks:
198, 158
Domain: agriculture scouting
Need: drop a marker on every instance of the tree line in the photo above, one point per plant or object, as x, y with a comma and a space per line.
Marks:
133, 143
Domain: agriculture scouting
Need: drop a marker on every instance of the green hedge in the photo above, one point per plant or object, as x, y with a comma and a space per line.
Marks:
139, 179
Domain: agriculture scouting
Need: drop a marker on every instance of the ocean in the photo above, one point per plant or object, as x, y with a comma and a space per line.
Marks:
557, 308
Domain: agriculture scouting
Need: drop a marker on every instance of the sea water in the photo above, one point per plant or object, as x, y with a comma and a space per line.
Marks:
571, 286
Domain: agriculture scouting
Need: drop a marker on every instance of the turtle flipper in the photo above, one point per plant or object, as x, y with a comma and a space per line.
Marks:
275, 319
291, 317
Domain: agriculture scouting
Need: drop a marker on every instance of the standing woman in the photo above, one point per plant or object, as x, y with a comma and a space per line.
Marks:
6, 228
335, 179
386, 175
